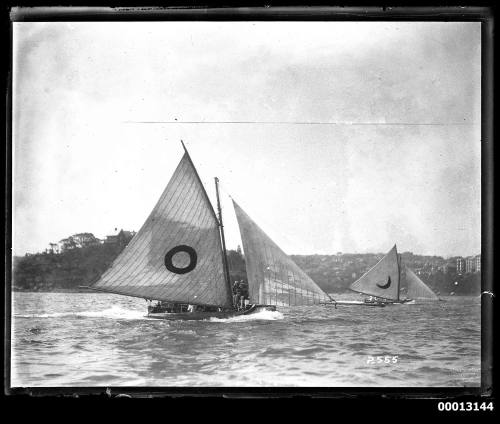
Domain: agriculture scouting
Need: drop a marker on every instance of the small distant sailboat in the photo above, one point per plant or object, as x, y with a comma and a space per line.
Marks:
178, 259
389, 280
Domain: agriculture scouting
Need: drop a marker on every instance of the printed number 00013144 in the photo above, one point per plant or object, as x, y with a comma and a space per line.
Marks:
465, 406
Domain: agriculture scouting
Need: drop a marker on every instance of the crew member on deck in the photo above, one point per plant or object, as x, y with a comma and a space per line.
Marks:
236, 294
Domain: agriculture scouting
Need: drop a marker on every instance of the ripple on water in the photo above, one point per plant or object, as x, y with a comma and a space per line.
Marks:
427, 369
468, 330
115, 346
359, 346
53, 375
346, 321
447, 358
273, 351
102, 378
410, 357
308, 351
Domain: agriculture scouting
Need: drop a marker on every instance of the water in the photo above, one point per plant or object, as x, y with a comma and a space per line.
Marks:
80, 339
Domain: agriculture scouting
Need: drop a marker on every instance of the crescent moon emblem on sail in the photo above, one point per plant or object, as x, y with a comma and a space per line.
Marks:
193, 258
386, 285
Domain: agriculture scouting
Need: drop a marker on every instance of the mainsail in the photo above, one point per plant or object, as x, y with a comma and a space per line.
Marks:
383, 279
176, 256
273, 278
415, 287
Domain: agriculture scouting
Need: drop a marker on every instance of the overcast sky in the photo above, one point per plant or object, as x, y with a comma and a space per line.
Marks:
361, 135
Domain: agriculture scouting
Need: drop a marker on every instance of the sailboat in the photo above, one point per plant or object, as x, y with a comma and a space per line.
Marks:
177, 260
389, 280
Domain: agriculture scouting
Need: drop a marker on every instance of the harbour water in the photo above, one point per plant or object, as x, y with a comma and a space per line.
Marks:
87, 339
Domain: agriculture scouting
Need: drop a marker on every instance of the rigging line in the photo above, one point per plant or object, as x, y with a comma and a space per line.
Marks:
222, 188
309, 123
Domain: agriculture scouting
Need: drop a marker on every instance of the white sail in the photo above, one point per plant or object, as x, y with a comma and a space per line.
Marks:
273, 278
382, 280
176, 256
415, 287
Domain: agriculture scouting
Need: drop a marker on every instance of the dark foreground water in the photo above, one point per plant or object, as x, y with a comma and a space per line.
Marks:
77, 339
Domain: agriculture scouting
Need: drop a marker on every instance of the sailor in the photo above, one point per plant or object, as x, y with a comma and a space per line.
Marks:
236, 286
191, 308
240, 285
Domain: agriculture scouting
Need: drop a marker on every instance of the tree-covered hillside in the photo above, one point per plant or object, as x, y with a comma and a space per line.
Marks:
333, 273
64, 271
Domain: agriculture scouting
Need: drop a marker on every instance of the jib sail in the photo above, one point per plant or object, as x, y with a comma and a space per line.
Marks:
415, 287
273, 278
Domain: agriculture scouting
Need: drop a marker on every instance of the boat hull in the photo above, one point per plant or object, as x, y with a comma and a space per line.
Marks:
354, 302
374, 304
399, 302
198, 316
389, 303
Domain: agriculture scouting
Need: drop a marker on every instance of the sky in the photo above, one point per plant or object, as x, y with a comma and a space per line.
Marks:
333, 136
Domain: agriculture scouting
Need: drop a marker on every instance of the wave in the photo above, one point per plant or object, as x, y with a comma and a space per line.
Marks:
308, 351
349, 321
360, 345
263, 315
115, 312
118, 312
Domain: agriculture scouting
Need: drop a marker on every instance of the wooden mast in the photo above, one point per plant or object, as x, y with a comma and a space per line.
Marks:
224, 253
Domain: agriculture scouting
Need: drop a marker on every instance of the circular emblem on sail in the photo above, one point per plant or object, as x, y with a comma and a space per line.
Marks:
387, 285
193, 257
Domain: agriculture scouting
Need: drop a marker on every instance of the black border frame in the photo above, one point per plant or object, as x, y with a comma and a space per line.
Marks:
485, 15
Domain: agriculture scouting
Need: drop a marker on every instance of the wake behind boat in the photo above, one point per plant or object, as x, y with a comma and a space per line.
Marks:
177, 260
194, 314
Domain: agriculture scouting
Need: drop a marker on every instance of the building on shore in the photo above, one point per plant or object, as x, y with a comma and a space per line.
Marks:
478, 263
76, 241
470, 264
460, 265
122, 238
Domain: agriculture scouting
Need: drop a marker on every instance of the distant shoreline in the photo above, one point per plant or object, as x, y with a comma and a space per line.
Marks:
68, 271
92, 291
